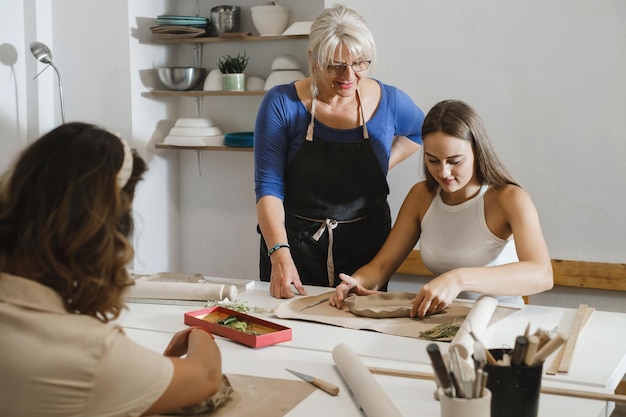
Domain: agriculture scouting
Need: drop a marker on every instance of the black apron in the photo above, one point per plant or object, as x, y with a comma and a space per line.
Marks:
336, 211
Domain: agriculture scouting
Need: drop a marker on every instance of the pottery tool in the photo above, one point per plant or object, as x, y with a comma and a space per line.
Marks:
576, 327
519, 351
479, 345
553, 344
480, 379
319, 383
318, 302
367, 393
600, 396
582, 315
462, 371
531, 349
440, 369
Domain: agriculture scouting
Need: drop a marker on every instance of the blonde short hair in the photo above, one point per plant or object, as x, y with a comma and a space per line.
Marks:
337, 29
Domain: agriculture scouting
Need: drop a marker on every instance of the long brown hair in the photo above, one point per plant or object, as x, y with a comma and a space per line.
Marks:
458, 119
64, 222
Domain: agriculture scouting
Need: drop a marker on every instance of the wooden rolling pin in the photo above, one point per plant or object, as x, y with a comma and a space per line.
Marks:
182, 291
600, 396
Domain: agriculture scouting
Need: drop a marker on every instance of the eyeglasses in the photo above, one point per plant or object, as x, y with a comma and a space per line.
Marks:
341, 68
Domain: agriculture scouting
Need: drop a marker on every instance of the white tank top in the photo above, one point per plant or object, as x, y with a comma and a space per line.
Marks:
458, 236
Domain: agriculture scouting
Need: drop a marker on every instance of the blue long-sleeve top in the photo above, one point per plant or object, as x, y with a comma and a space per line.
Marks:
282, 122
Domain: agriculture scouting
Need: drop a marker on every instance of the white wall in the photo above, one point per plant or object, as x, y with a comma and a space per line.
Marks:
546, 77
548, 80
13, 81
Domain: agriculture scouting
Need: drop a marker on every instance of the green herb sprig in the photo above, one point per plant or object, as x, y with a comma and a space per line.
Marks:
440, 332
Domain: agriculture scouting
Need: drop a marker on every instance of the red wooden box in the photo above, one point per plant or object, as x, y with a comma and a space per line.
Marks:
268, 333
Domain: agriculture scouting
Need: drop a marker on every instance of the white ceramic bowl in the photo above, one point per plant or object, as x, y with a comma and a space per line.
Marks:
194, 122
285, 62
270, 20
214, 81
195, 131
255, 83
194, 140
283, 77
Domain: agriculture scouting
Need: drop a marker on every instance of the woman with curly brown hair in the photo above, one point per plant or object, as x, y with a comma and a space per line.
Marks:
65, 215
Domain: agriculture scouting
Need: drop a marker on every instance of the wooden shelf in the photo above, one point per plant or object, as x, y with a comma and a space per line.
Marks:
204, 148
200, 93
217, 39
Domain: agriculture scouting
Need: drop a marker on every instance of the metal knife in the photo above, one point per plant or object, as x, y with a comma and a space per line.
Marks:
319, 383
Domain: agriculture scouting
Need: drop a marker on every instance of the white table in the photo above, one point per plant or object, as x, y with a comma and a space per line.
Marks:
597, 366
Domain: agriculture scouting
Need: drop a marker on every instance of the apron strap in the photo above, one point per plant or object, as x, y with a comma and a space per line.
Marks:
309, 129
330, 225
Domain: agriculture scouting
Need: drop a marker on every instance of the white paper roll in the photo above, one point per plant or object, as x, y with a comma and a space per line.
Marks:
477, 320
182, 291
367, 392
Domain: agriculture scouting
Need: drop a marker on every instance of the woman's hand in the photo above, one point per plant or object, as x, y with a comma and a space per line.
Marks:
179, 344
284, 275
348, 285
436, 295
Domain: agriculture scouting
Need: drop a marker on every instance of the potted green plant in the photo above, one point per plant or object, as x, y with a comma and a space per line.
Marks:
232, 68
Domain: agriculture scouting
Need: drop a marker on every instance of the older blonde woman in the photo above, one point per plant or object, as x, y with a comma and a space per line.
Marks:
322, 147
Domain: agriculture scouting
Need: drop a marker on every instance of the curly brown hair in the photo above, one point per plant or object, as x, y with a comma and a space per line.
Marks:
64, 222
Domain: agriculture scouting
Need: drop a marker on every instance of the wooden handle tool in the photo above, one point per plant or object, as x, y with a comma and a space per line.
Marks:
319, 383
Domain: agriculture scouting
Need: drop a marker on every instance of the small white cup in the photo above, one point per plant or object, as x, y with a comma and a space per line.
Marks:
466, 407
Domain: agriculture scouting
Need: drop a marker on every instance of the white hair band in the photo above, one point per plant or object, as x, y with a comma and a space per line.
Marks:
127, 166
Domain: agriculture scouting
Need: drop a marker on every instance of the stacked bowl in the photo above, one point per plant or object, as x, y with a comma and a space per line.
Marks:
194, 131
285, 69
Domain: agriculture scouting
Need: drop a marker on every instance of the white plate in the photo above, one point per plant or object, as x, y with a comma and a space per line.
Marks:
298, 28
195, 131
194, 122
194, 140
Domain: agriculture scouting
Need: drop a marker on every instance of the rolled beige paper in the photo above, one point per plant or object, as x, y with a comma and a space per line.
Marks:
182, 291
477, 320
367, 392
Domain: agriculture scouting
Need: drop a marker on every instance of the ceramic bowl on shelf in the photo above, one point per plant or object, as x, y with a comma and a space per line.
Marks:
255, 83
181, 78
174, 140
283, 77
214, 81
195, 131
285, 62
194, 122
270, 20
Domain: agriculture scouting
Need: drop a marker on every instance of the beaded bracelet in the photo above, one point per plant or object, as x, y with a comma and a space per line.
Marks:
276, 247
